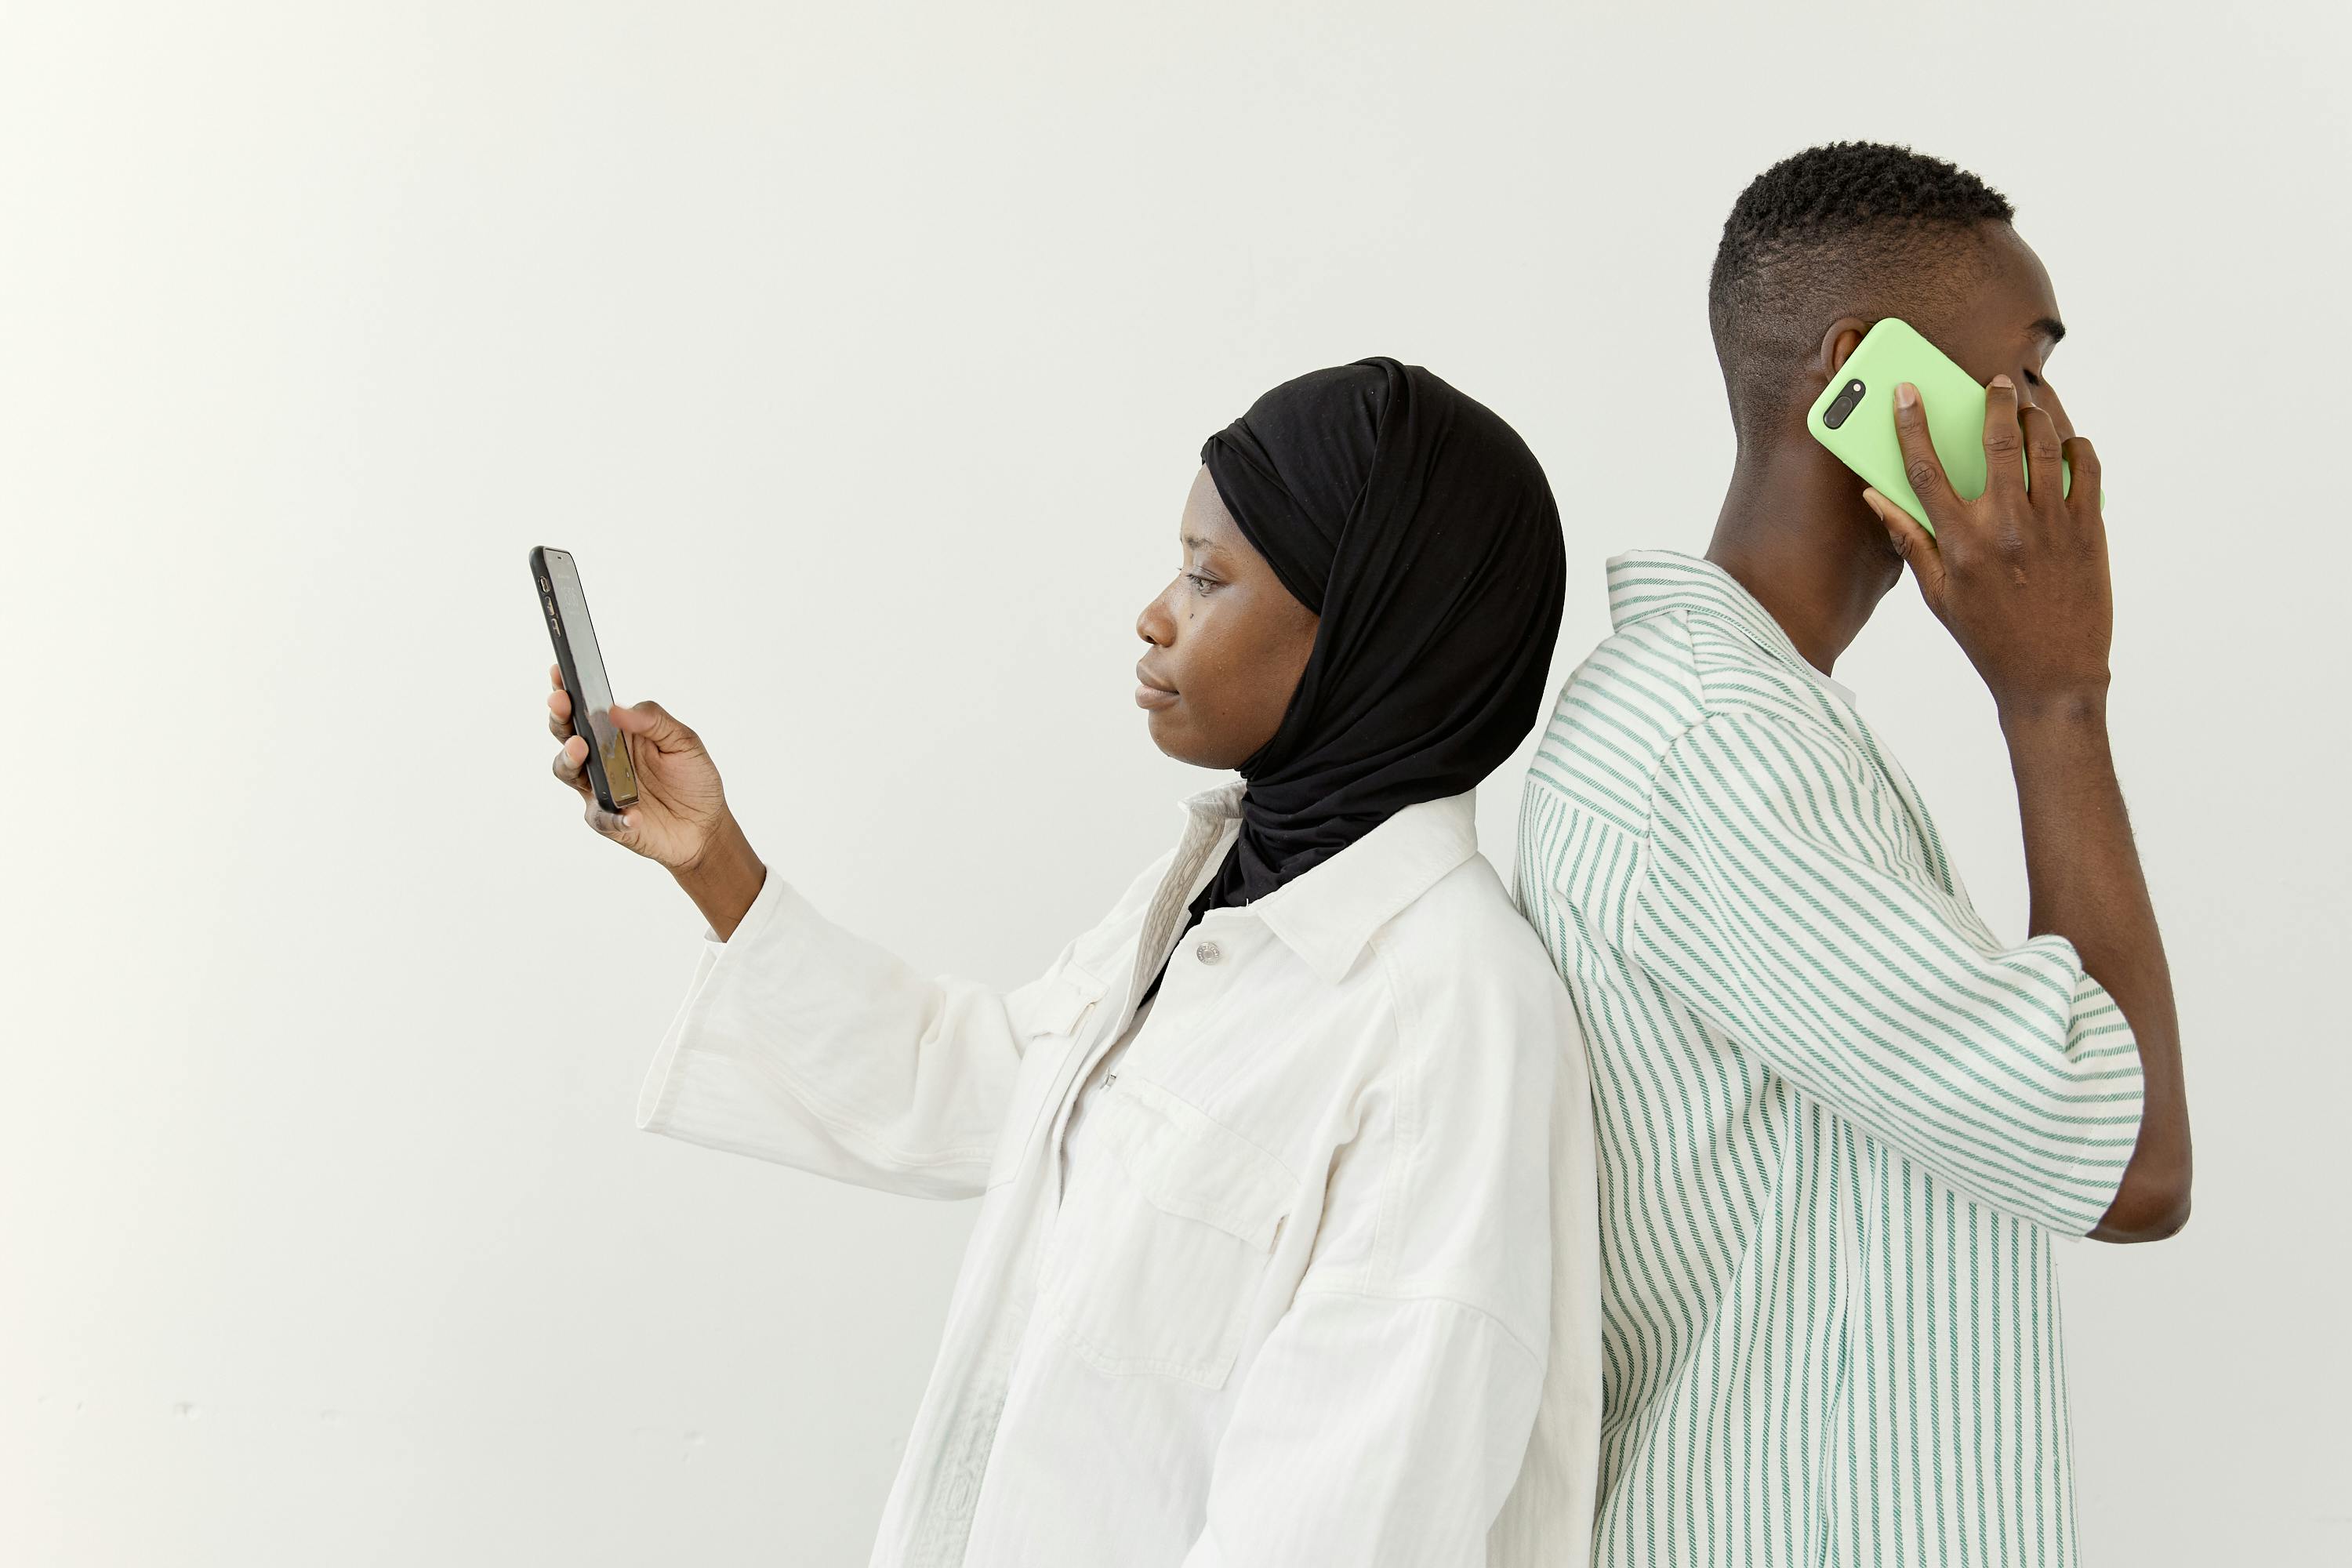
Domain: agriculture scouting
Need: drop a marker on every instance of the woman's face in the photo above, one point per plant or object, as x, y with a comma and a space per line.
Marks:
1228, 643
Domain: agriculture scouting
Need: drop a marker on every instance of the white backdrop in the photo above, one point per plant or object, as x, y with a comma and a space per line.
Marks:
862, 353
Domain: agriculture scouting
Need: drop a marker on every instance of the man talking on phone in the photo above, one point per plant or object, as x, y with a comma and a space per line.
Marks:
1839, 1118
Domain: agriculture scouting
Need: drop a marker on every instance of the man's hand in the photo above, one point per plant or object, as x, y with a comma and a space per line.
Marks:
2018, 576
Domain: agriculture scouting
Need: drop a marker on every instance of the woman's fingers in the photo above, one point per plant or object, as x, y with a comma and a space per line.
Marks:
614, 826
570, 766
559, 704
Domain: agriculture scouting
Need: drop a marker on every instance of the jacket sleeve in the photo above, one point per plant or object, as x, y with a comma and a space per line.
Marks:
803, 1044
1786, 899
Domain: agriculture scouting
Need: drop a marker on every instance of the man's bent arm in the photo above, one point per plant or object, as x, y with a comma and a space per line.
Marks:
2083, 874
2019, 576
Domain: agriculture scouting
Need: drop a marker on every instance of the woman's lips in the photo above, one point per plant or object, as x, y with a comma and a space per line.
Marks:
1149, 694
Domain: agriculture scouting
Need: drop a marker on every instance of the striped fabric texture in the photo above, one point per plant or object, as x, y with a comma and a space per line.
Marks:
1838, 1118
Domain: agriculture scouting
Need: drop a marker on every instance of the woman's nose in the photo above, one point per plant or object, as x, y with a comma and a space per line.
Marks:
1153, 624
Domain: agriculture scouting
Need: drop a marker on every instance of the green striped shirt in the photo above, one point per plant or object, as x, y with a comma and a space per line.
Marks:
1838, 1118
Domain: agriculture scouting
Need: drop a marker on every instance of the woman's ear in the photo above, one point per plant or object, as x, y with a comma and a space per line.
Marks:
1844, 336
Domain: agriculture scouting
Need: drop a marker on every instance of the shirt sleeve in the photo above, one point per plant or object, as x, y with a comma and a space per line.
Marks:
1786, 901
803, 1044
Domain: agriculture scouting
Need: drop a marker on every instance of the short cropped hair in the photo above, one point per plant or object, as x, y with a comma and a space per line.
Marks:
1850, 228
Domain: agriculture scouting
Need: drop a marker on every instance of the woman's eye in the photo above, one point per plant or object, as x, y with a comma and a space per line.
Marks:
1199, 584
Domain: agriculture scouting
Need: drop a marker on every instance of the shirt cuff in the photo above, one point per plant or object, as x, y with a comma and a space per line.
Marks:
2105, 1053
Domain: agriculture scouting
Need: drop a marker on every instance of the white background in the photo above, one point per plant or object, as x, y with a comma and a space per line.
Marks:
862, 353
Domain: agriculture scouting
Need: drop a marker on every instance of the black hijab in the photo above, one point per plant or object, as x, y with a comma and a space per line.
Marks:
1419, 527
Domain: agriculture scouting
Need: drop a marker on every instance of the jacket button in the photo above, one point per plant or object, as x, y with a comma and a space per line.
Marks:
1208, 953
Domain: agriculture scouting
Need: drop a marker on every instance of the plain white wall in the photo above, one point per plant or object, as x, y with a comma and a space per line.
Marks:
862, 353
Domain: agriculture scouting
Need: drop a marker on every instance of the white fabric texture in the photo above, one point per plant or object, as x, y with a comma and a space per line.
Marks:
1313, 1280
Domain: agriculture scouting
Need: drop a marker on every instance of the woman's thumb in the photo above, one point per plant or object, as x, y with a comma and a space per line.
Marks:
651, 721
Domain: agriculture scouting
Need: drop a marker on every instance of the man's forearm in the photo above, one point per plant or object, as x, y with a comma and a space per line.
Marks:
2084, 873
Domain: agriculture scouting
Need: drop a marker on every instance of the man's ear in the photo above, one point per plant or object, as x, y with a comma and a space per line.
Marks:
1840, 341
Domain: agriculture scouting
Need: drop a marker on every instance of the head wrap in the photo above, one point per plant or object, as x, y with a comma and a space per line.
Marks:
1421, 530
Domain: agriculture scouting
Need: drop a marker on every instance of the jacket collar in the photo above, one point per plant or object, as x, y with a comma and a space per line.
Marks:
1328, 915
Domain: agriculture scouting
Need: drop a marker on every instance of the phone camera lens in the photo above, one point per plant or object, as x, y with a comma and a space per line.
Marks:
1837, 412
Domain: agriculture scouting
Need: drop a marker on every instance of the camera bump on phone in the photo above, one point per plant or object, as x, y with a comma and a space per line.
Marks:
1836, 414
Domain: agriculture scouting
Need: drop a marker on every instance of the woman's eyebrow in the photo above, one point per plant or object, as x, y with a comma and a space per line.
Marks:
1194, 541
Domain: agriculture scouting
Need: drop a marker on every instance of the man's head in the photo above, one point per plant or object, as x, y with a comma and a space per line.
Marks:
1821, 246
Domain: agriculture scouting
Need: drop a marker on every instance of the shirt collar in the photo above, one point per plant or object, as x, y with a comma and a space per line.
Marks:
1645, 583
1327, 915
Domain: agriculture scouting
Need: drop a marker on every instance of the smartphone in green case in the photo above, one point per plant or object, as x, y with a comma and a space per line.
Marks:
1855, 416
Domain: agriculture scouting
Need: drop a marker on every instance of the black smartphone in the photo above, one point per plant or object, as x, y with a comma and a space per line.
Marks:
566, 609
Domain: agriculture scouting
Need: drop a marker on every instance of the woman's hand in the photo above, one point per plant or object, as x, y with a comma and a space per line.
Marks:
680, 809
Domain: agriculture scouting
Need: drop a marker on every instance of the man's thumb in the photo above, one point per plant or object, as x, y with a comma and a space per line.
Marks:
1912, 542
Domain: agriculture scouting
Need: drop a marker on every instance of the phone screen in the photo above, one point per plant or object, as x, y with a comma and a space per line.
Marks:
594, 698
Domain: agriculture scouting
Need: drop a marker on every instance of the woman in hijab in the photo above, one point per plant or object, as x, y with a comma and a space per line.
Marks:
1285, 1253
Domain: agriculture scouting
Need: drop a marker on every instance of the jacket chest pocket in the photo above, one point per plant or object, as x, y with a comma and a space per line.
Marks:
1050, 1016
1164, 1236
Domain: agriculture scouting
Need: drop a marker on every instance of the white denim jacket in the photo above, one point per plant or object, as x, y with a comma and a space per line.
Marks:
1291, 1292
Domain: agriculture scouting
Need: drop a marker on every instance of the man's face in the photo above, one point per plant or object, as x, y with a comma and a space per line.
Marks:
2007, 323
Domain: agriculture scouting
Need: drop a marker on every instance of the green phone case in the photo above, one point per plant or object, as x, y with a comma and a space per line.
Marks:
1890, 353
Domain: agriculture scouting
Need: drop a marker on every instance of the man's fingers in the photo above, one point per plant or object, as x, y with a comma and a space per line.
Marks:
2004, 444
2042, 452
555, 674
559, 714
2082, 485
1920, 464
